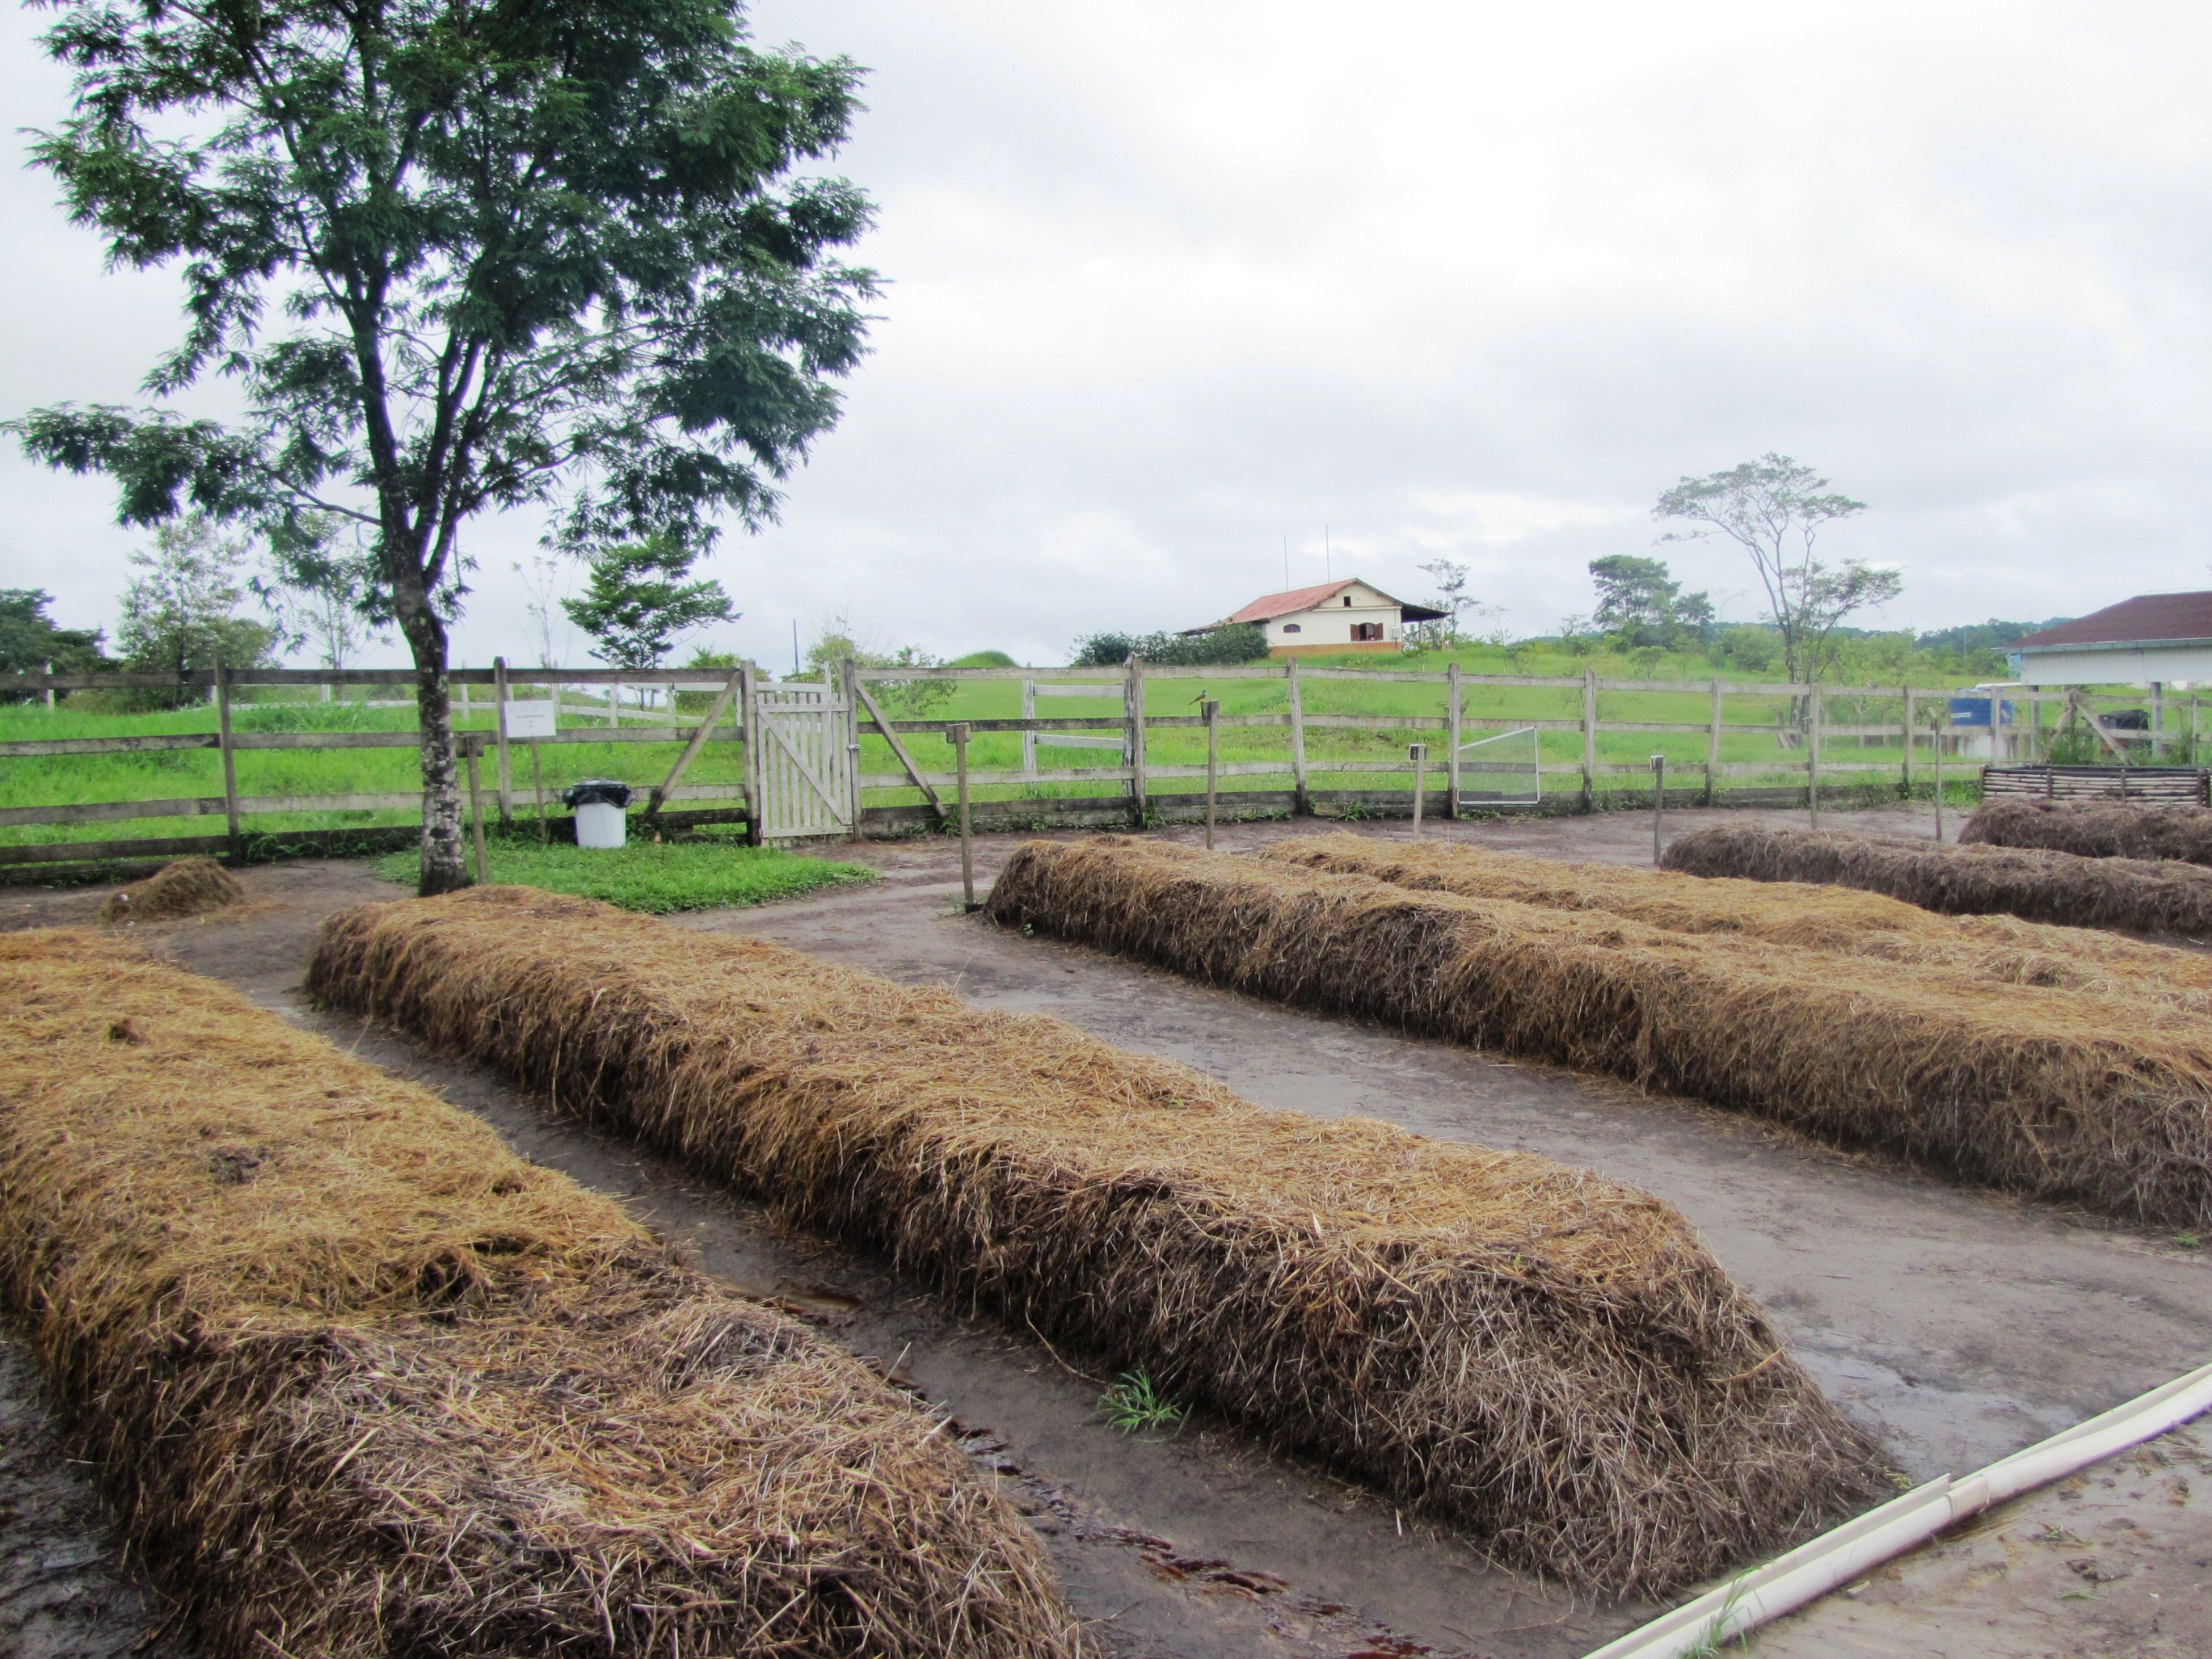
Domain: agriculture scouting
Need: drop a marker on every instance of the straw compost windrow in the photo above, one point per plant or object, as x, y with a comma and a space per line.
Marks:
2036, 1090
2141, 895
180, 888
1837, 920
2096, 830
362, 1382
1547, 1358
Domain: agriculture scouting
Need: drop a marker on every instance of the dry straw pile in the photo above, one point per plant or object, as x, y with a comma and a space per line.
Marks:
2043, 1090
182, 887
1547, 1358
2095, 830
2141, 895
1838, 920
362, 1382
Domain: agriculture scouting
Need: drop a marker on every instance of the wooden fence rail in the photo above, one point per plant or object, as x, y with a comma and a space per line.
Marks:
1797, 721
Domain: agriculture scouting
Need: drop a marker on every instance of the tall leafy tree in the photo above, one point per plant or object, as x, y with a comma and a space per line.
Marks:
1775, 509
180, 610
31, 642
1640, 600
458, 257
636, 602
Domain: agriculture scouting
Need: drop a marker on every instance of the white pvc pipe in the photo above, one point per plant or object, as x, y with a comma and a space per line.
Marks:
1834, 1558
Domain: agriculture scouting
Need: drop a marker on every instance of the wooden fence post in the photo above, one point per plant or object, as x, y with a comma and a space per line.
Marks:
1813, 754
229, 759
1418, 754
1028, 738
1911, 737
1937, 725
957, 737
1713, 748
1211, 710
1134, 713
505, 775
1301, 797
1451, 740
1658, 806
1589, 740
472, 747
849, 679
749, 694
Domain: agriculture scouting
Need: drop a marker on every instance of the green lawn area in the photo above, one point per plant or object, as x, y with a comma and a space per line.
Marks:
685, 875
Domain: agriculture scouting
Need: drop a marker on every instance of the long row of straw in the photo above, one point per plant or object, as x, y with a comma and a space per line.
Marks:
2141, 895
1547, 1358
2034, 1090
361, 1382
1834, 920
2097, 829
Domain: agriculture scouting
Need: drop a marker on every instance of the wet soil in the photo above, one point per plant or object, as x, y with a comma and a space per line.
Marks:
1956, 1324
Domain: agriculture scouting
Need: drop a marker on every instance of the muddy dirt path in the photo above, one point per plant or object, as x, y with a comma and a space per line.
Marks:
1958, 1325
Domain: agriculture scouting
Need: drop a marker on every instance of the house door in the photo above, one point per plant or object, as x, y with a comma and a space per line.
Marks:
805, 766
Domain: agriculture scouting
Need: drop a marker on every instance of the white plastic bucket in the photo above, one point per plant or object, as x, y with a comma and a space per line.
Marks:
599, 824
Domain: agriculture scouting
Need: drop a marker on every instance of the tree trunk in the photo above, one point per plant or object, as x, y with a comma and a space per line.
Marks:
445, 863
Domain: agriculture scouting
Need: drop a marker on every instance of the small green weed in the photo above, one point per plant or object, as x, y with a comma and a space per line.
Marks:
2188, 1241
1133, 1405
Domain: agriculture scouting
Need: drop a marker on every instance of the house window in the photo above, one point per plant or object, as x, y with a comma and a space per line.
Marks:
1347, 601
1291, 628
1361, 631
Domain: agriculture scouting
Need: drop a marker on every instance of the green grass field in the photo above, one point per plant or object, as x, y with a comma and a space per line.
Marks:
65, 779
703, 874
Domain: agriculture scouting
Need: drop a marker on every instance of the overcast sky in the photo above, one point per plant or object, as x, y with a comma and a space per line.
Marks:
1171, 285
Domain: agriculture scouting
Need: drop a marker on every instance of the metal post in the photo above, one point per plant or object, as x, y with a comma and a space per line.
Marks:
472, 746
1658, 806
1452, 740
1302, 797
505, 772
1418, 754
1813, 754
957, 737
1211, 710
229, 759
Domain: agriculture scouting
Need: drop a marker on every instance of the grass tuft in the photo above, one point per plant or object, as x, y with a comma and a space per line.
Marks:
656, 878
1134, 1405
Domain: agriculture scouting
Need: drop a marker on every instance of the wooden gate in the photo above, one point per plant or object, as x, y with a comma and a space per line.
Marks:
806, 766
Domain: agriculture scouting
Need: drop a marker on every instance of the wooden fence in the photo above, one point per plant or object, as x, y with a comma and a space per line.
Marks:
1151, 774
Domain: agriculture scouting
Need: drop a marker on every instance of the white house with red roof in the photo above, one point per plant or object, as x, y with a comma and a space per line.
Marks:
1347, 615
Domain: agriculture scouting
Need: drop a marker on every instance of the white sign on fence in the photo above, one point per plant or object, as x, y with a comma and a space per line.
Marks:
526, 719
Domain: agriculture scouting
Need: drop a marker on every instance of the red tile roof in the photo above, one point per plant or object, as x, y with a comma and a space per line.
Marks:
2140, 621
1269, 607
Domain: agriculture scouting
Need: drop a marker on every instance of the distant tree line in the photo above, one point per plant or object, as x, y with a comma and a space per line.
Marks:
1233, 643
